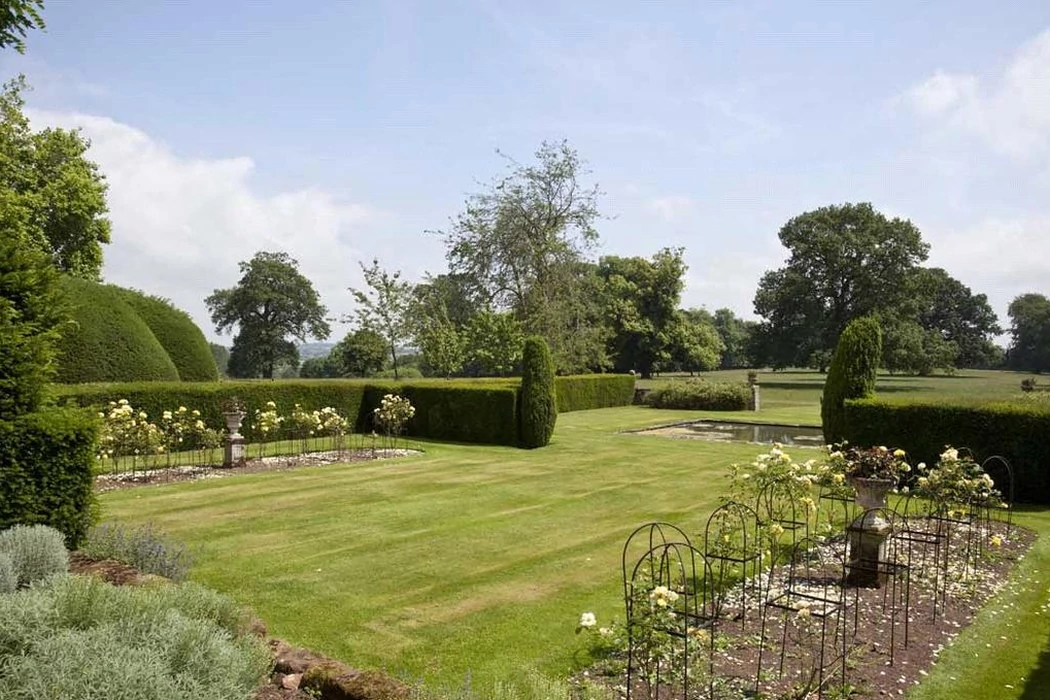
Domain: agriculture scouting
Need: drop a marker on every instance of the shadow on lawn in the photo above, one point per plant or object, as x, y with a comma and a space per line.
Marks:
1037, 687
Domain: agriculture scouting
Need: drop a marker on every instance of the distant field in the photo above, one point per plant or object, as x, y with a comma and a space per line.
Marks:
793, 396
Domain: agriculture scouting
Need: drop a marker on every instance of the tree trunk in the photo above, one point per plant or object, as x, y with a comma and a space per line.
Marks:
393, 356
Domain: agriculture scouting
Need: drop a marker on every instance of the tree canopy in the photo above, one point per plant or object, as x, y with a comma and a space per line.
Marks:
270, 302
520, 242
17, 17
1029, 333
383, 308
846, 261
642, 301
361, 353
51, 195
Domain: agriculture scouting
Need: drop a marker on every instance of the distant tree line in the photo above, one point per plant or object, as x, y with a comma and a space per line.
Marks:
520, 263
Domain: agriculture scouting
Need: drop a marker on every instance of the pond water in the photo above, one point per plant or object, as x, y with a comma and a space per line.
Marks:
741, 432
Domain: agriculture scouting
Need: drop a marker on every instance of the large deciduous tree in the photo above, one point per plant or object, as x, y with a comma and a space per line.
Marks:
384, 307
51, 195
846, 261
642, 301
946, 306
520, 242
1030, 333
270, 302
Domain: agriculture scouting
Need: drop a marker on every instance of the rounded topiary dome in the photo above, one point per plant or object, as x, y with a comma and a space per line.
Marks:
178, 335
107, 340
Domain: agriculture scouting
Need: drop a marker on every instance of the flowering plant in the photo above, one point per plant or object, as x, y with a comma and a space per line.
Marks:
268, 422
331, 423
847, 463
127, 431
956, 479
392, 414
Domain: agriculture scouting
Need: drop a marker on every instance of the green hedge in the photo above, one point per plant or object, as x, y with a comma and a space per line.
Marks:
701, 395
178, 335
461, 412
45, 470
482, 411
210, 397
582, 392
1016, 432
109, 341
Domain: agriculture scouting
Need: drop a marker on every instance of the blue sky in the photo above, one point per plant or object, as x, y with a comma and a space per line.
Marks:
341, 131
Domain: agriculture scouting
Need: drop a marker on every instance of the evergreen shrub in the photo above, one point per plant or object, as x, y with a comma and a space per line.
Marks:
108, 340
36, 552
30, 310
696, 394
1015, 431
852, 373
45, 470
180, 337
539, 404
477, 412
582, 392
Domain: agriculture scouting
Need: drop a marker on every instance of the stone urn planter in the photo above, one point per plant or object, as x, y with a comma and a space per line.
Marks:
234, 419
233, 454
868, 533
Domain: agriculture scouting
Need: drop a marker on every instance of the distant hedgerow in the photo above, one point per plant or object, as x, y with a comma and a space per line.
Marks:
701, 395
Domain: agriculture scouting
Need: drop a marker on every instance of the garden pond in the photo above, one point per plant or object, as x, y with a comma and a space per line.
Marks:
740, 432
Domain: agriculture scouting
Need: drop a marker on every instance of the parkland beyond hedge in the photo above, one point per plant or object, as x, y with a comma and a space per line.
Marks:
474, 411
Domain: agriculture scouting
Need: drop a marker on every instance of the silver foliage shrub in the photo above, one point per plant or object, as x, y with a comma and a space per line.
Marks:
36, 551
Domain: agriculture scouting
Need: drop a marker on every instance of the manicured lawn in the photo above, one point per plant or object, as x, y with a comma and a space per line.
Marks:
479, 560
468, 559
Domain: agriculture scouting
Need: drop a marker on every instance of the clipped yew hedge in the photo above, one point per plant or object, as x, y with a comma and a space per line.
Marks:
108, 340
45, 471
582, 392
180, 337
482, 411
479, 412
210, 398
1017, 432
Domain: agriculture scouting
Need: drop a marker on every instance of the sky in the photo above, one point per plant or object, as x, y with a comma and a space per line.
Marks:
339, 132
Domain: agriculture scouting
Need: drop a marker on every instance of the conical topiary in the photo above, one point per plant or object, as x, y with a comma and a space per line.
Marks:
852, 373
539, 406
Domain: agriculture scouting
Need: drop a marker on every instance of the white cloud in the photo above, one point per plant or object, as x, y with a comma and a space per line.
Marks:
1010, 113
1000, 257
181, 225
673, 209
942, 92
